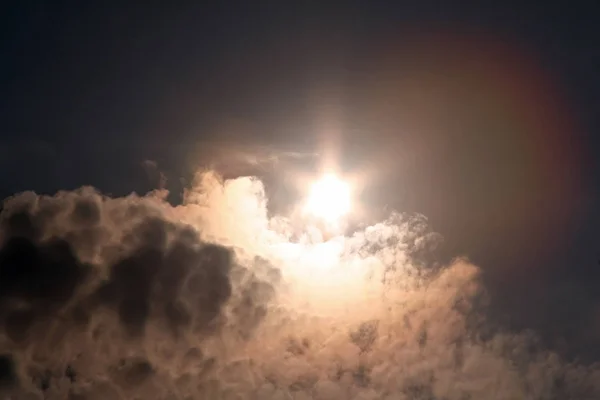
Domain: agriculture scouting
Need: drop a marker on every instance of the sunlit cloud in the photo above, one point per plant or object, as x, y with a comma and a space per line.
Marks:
133, 298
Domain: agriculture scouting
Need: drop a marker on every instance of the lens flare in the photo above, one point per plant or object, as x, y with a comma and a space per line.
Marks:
329, 198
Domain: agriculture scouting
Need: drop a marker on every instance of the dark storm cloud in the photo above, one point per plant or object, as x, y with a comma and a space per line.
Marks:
148, 266
67, 259
8, 375
152, 277
44, 277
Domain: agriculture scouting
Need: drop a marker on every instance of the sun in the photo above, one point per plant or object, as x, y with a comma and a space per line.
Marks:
329, 198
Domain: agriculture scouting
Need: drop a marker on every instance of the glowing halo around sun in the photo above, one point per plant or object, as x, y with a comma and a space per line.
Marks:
329, 198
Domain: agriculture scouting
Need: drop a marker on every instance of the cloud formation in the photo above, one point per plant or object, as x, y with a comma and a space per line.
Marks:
214, 299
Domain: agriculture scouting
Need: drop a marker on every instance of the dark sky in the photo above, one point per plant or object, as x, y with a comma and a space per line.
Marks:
482, 118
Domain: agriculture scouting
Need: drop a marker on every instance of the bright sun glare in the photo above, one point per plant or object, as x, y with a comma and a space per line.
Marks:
329, 198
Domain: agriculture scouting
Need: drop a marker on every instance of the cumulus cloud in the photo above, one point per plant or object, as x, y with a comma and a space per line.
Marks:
216, 299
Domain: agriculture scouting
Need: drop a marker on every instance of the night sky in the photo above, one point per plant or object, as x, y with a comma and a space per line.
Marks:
482, 118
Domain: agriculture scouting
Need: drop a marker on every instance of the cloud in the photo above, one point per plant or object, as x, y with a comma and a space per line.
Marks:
155, 176
134, 298
231, 158
7, 371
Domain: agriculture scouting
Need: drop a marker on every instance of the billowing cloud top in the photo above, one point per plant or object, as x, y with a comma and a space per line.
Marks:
212, 299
